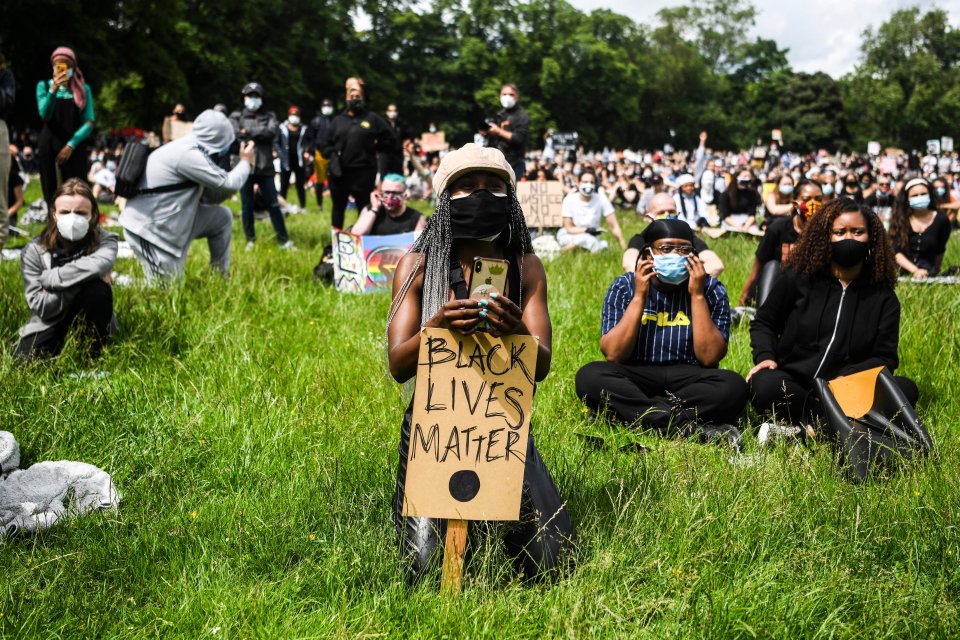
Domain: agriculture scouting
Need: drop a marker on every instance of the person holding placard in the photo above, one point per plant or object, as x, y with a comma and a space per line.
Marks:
477, 215
665, 328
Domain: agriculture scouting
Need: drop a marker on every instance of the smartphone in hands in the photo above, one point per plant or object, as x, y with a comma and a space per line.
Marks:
489, 276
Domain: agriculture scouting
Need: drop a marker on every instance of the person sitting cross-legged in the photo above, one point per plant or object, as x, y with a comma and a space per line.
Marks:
665, 330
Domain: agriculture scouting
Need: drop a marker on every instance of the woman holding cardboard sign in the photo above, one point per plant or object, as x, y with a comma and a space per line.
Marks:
477, 216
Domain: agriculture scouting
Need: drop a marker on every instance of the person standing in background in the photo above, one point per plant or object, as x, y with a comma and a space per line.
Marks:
510, 131
66, 105
390, 160
318, 133
292, 148
351, 146
8, 96
255, 123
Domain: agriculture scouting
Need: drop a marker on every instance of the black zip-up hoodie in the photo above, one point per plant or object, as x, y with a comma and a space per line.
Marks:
803, 314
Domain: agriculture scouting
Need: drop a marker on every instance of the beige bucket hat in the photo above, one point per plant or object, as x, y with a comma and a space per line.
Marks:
468, 158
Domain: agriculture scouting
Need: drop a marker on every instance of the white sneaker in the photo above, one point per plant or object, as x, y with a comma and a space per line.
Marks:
288, 246
249, 245
770, 432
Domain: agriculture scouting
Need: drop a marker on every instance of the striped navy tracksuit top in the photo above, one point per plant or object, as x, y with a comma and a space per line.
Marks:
666, 332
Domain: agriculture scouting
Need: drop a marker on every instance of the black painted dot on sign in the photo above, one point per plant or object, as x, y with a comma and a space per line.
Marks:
464, 485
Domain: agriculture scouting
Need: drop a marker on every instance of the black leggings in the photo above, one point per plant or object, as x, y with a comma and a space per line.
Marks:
778, 394
94, 303
540, 542
300, 178
665, 398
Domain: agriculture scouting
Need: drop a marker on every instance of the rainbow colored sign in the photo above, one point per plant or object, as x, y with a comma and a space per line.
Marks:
362, 264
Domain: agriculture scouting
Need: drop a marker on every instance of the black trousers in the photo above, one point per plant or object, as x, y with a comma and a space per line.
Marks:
93, 304
789, 399
357, 182
75, 167
540, 542
664, 398
299, 176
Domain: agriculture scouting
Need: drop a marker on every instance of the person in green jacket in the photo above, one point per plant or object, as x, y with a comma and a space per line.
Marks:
66, 105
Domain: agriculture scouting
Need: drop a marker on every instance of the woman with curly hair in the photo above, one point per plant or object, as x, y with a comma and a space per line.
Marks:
477, 214
919, 231
831, 313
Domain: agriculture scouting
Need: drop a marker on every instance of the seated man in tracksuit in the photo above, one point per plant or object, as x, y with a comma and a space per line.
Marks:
665, 329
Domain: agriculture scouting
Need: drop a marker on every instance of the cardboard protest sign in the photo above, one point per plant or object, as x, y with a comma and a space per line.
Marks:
471, 419
946, 144
542, 203
933, 147
176, 129
362, 264
431, 142
873, 148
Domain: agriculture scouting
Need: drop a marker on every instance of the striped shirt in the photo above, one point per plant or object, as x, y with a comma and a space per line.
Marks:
666, 331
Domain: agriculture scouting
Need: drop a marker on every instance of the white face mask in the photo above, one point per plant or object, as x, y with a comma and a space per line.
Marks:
587, 188
391, 114
294, 119
433, 129
72, 226
252, 103
327, 111
507, 101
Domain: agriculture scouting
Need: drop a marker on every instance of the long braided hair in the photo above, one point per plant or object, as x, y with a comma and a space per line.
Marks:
435, 245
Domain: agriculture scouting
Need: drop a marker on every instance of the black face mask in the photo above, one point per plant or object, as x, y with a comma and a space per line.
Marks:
479, 215
850, 252
355, 104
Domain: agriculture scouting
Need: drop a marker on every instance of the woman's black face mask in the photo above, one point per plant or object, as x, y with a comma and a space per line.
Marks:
479, 216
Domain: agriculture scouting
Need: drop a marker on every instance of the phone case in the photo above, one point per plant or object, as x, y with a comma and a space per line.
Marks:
489, 275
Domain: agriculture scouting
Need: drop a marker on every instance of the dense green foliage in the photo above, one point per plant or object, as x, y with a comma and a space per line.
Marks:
252, 430
617, 82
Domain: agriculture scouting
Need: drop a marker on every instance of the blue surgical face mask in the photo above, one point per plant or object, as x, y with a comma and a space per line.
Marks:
786, 189
941, 191
671, 268
827, 189
920, 202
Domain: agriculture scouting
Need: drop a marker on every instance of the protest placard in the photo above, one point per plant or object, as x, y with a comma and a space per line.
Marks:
432, 142
565, 140
946, 144
542, 203
362, 264
471, 418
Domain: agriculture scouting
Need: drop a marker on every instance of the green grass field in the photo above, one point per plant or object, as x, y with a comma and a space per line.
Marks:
252, 429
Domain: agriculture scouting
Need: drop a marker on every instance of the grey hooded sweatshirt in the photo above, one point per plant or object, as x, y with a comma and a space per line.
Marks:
166, 219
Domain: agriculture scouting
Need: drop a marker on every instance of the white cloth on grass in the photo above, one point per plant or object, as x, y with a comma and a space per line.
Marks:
36, 498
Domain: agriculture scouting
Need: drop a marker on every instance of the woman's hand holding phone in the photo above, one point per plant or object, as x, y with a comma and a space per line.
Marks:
461, 316
502, 315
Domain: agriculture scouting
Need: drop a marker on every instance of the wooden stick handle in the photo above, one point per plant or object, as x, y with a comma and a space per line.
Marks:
453, 552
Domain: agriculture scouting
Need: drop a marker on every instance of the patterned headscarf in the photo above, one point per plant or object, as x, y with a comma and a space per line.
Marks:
76, 82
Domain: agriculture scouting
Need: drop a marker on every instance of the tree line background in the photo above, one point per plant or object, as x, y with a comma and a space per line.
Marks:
618, 83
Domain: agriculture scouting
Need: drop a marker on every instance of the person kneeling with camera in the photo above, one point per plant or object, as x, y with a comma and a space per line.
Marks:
665, 330
66, 275
178, 195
